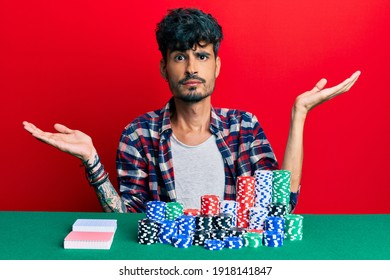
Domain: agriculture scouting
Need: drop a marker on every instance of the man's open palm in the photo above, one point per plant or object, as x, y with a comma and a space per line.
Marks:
310, 99
73, 142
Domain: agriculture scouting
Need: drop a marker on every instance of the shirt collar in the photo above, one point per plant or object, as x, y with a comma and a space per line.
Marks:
166, 112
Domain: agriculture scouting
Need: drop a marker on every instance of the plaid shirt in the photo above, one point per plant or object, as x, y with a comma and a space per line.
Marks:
144, 156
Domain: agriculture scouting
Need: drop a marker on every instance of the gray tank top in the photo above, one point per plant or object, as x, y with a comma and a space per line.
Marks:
198, 170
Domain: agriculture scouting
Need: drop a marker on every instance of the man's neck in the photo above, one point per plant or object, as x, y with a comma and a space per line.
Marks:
191, 121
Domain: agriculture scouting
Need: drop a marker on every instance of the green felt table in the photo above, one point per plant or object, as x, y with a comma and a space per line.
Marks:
40, 235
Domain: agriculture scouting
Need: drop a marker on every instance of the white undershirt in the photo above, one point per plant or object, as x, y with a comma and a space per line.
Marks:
198, 170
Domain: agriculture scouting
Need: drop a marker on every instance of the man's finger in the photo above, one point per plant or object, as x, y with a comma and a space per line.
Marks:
62, 128
31, 128
347, 84
320, 85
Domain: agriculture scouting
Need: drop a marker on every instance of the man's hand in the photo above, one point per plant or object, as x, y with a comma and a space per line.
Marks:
293, 155
310, 99
73, 142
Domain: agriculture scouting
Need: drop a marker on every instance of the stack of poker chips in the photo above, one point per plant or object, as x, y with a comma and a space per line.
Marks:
182, 241
191, 212
253, 239
293, 228
273, 235
257, 216
155, 210
213, 230
245, 197
277, 210
263, 198
263, 188
167, 230
233, 242
229, 207
209, 205
148, 231
216, 227
273, 239
214, 244
185, 225
280, 193
173, 210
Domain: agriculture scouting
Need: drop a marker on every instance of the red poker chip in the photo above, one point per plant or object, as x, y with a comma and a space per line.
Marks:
191, 212
209, 205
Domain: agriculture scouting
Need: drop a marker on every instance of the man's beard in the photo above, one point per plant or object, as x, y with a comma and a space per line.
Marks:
193, 96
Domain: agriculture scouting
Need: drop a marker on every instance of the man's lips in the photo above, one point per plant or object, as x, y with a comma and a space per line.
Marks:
192, 82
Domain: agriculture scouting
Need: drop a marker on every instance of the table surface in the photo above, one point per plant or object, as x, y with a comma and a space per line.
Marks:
40, 235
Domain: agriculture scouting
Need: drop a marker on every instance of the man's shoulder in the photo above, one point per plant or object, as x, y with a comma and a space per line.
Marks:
146, 120
230, 114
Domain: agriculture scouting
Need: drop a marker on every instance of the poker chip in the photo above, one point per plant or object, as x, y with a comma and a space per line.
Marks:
281, 187
229, 207
245, 196
253, 239
200, 236
263, 188
155, 210
182, 241
222, 221
204, 222
233, 242
214, 244
273, 239
191, 212
209, 205
219, 234
274, 224
277, 210
236, 231
293, 229
148, 231
173, 210
168, 223
257, 216
185, 225
167, 230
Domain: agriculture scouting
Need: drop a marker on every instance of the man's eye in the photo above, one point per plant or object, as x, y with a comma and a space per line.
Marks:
203, 57
179, 57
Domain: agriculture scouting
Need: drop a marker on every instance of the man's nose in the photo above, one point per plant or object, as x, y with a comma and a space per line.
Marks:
191, 68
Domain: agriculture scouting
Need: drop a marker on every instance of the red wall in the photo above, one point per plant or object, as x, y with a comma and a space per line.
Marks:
94, 66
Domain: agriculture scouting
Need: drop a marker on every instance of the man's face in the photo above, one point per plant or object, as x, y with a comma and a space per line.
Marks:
191, 74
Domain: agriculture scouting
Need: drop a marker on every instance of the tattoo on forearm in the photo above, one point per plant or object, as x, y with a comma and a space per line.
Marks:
109, 198
89, 165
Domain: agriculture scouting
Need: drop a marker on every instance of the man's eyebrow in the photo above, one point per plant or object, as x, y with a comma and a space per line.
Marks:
175, 52
199, 53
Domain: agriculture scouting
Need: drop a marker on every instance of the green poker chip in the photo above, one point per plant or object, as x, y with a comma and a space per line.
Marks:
173, 210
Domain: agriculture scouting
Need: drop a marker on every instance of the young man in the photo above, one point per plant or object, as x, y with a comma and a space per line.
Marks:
189, 148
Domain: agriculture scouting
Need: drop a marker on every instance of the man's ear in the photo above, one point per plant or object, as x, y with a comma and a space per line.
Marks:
163, 68
217, 66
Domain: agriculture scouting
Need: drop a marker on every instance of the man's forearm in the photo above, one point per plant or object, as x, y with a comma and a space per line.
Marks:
293, 155
105, 191
109, 198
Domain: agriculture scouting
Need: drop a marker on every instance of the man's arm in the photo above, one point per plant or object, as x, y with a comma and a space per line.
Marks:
293, 156
78, 144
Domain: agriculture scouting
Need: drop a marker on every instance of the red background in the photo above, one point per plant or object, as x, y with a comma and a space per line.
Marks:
94, 66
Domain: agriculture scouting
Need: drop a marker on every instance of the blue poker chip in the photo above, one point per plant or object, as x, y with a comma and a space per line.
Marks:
155, 210
181, 241
233, 242
214, 244
273, 239
168, 229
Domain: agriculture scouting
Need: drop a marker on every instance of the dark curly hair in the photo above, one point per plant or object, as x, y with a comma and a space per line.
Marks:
182, 28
